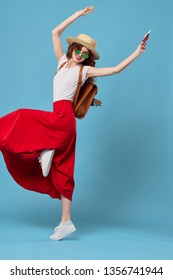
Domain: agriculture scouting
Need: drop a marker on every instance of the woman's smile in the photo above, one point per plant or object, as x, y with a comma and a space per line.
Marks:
78, 57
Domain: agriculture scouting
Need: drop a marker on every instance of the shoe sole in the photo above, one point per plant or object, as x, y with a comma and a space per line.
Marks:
46, 172
65, 233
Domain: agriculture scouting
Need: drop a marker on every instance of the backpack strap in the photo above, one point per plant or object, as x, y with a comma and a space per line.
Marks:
75, 100
62, 65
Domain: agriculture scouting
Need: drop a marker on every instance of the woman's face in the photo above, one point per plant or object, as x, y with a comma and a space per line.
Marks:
79, 54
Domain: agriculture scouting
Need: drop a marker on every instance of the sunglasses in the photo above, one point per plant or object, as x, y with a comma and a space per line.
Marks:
84, 55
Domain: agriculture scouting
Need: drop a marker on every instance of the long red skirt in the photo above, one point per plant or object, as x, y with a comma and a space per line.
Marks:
25, 133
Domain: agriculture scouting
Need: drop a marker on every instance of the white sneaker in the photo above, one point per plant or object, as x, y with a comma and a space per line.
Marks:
62, 231
45, 160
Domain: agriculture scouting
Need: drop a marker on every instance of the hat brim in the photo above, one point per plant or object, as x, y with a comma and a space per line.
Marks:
85, 44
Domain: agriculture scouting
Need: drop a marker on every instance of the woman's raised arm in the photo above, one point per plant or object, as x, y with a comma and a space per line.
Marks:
57, 31
98, 72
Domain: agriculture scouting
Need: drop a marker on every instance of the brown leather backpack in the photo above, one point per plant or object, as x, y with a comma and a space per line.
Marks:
84, 96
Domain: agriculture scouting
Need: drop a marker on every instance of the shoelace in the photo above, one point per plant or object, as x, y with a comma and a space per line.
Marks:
55, 229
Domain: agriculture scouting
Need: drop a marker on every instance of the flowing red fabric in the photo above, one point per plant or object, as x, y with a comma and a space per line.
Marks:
25, 133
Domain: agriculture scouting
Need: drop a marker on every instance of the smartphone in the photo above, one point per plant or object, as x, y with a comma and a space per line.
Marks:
146, 37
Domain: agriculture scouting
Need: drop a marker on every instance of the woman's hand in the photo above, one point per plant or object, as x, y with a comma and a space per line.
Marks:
85, 11
141, 48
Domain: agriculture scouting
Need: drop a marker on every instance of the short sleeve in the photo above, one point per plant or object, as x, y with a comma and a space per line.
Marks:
84, 73
62, 60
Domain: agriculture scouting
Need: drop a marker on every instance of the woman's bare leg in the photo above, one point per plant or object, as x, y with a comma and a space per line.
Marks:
65, 227
66, 209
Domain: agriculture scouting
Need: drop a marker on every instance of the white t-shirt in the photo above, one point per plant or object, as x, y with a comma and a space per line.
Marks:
66, 80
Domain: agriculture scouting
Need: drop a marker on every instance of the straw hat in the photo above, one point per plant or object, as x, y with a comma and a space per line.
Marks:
85, 41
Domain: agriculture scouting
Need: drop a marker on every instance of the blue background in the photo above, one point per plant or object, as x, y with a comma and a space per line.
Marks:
122, 203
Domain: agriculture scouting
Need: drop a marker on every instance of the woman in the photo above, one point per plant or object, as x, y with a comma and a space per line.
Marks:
27, 135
